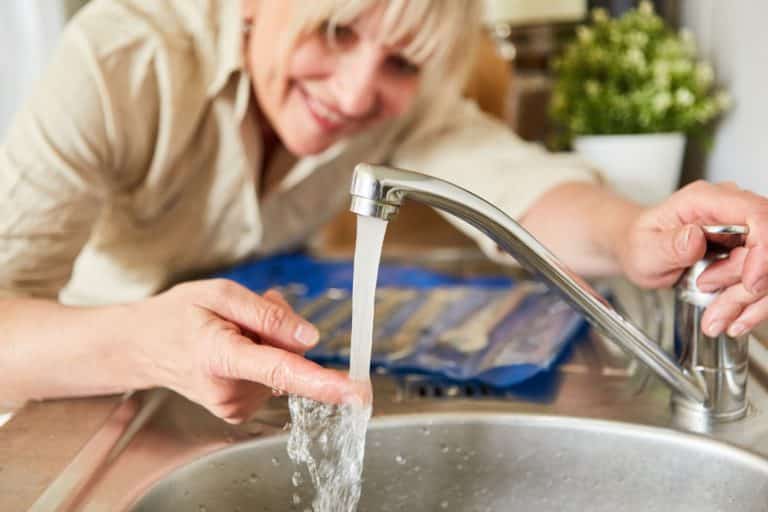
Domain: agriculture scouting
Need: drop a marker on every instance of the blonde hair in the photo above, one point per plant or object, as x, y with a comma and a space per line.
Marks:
440, 35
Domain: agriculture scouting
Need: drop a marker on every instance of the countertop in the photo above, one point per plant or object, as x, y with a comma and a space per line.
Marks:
40, 440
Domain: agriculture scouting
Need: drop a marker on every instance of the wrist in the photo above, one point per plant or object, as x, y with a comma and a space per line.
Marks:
128, 343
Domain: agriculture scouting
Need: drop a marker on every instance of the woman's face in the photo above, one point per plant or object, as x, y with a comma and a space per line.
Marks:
325, 92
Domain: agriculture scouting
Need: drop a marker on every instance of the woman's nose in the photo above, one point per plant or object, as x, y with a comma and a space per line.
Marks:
357, 82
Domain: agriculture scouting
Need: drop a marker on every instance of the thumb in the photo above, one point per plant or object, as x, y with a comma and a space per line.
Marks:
678, 249
668, 250
285, 371
665, 253
690, 245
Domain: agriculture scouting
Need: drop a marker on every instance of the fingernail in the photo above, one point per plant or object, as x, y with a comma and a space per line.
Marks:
683, 239
715, 328
737, 329
306, 334
761, 286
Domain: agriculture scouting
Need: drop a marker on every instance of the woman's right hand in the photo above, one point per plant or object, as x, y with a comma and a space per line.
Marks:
227, 348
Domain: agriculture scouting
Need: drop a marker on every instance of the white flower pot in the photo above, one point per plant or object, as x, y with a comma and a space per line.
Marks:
643, 167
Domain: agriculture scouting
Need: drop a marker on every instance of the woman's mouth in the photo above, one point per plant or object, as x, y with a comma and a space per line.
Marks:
326, 117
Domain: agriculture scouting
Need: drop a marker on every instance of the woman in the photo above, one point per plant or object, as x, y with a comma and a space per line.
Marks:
172, 137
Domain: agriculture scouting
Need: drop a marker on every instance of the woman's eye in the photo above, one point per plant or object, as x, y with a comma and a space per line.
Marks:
343, 34
402, 66
339, 35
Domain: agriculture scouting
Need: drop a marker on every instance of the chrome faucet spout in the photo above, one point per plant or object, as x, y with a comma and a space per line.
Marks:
379, 191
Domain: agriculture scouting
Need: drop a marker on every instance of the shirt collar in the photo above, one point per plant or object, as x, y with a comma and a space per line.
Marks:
228, 45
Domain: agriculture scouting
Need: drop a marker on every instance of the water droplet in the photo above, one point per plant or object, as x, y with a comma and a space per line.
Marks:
186, 492
254, 477
459, 467
202, 508
425, 431
297, 479
400, 459
444, 504
444, 448
275, 461
296, 499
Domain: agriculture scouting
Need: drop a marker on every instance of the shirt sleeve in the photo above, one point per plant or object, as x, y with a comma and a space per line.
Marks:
472, 150
52, 182
85, 140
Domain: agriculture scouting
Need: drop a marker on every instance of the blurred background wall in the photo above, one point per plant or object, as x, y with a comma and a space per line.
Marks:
28, 31
734, 36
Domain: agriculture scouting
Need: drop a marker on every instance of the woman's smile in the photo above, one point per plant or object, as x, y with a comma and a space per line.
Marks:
328, 118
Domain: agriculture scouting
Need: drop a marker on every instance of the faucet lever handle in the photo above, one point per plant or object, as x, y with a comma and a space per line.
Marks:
721, 239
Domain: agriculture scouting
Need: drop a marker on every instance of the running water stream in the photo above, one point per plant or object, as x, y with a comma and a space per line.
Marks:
330, 440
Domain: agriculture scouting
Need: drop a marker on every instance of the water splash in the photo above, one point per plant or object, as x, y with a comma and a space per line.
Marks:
330, 441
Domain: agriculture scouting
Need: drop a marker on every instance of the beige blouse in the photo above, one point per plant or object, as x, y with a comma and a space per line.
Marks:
133, 165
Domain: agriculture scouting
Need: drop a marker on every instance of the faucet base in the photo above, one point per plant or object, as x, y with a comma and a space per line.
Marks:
694, 417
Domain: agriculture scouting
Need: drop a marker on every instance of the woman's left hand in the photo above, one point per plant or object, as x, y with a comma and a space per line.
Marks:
666, 239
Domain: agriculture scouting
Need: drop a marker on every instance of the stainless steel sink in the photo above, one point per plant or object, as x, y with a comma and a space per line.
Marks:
597, 433
488, 462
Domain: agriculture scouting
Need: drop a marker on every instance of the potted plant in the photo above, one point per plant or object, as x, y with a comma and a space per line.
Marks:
627, 92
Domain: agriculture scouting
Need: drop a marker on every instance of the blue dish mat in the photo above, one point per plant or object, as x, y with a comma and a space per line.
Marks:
320, 275
542, 322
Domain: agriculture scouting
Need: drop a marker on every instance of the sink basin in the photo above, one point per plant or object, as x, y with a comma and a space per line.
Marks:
487, 462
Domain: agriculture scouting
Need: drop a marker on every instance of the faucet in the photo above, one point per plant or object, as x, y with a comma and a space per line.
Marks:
710, 381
